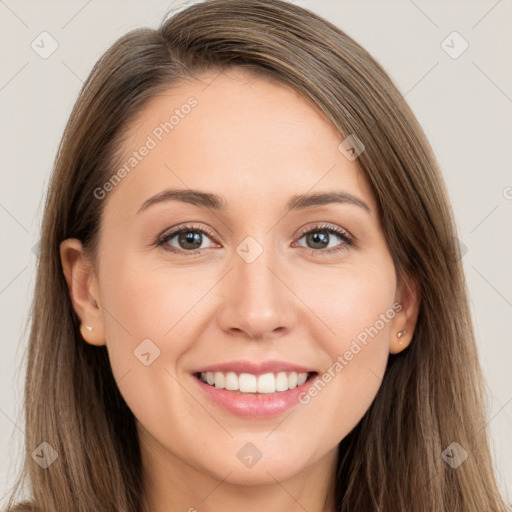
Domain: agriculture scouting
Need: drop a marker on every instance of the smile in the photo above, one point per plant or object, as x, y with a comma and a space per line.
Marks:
250, 383
253, 390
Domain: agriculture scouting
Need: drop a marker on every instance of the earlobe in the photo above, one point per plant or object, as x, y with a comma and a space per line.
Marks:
83, 290
404, 323
92, 335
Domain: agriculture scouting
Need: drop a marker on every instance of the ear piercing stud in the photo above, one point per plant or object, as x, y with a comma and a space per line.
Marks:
88, 327
401, 333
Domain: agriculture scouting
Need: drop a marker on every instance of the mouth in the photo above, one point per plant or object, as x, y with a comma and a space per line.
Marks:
249, 383
254, 391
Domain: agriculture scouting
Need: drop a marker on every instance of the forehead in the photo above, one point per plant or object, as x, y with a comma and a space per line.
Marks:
234, 133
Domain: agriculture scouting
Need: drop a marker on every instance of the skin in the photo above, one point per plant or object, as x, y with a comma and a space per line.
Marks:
255, 143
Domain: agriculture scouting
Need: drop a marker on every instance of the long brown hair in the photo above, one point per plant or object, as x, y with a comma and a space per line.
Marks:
431, 394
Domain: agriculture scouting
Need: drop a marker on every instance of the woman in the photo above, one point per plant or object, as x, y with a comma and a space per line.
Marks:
249, 293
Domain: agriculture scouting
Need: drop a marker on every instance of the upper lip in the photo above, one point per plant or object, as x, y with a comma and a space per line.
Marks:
255, 368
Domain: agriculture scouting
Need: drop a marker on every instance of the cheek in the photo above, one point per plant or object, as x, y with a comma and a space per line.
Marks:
357, 311
146, 318
148, 328
351, 303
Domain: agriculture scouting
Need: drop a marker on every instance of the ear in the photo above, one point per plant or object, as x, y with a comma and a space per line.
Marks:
83, 290
408, 295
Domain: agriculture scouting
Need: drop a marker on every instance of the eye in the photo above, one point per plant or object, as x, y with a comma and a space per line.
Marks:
188, 238
322, 239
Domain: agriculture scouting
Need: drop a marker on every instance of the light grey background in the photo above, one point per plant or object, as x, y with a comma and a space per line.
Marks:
464, 105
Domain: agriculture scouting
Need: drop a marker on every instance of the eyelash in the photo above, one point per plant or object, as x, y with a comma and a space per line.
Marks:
326, 228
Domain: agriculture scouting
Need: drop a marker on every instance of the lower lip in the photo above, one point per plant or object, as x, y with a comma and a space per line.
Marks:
254, 405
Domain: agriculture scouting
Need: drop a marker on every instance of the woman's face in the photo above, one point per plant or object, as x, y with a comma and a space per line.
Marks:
262, 288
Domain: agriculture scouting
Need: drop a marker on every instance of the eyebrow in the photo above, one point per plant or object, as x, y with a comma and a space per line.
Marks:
216, 202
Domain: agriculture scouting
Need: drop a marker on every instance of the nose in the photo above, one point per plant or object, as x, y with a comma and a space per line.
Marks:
256, 301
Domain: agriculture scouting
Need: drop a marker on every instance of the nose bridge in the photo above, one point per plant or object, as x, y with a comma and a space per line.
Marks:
256, 301
253, 266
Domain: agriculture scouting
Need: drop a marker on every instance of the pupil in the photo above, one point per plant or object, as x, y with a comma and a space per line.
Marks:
190, 237
319, 238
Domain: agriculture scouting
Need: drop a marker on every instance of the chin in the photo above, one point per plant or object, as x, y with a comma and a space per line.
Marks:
246, 465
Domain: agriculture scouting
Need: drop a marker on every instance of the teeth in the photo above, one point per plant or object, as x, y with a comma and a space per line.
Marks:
301, 378
249, 383
231, 381
219, 380
293, 378
282, 382
266, 383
